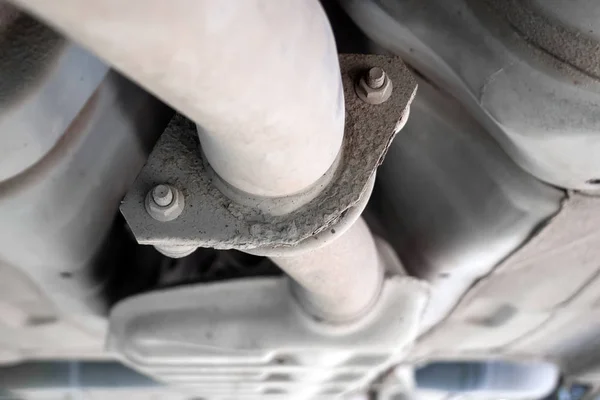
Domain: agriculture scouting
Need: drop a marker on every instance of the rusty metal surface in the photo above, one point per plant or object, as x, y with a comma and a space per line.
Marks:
210, 219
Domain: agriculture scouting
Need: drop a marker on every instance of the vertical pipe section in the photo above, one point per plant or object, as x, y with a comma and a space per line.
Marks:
260, 77
339, 282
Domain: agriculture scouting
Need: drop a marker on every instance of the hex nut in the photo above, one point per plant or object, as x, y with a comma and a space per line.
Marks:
167, 212
372, 95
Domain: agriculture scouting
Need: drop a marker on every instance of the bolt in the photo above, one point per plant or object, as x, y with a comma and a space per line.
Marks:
374, 87
376, 77
164, 203
162, 195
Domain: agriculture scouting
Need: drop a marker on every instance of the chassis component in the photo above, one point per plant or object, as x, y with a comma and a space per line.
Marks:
451, 227
251, 337
528, 79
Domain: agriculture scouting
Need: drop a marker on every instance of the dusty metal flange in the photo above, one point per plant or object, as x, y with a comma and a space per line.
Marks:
210, 219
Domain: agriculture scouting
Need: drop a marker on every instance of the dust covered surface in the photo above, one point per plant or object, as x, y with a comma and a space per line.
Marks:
565, 45
210, 219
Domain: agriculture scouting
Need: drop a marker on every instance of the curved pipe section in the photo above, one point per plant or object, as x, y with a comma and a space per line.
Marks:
261, 78
262, 81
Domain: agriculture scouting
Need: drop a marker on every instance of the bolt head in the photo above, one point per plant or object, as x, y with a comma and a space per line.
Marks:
164, 203
372, 95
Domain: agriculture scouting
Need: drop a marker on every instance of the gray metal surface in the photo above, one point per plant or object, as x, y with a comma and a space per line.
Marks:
541, 107
73, 136
211, 219
46, 81
582, 16
65, 380
453, 203
540, 303
576, 47
56, 215
71, 375
491, 379
250, 339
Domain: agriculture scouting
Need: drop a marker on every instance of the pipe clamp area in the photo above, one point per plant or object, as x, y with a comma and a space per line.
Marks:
211, 219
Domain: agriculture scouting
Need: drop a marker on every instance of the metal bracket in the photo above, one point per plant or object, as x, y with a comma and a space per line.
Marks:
249, 339
211, 219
